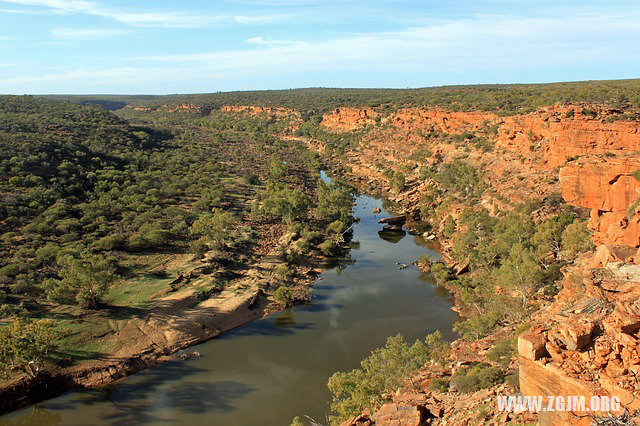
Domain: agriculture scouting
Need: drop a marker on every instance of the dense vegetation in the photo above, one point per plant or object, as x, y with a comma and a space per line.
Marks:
93, 206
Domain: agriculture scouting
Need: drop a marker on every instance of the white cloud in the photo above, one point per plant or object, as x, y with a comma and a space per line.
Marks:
266, 42
487, 41
87, 33
172, 19
486, 46
261, 19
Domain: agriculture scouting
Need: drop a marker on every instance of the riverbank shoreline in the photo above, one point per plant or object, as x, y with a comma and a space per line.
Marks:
187, 323
206, 323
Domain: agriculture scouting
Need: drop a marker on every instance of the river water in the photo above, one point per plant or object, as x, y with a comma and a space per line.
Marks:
271, 370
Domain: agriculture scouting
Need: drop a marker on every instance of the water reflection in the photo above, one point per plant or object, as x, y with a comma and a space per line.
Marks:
392, 235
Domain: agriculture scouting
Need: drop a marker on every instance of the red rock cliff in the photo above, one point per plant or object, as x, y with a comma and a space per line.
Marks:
607, 187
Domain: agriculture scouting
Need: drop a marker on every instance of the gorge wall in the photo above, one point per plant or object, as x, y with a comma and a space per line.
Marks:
587, 340
593, 155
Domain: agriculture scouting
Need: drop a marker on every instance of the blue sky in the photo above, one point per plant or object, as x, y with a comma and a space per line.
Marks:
189, 46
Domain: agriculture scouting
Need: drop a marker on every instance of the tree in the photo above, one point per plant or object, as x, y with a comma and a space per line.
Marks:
547, 239
576, 238
334, 203
85, 280
520, 272
286, 204
25, 343
216, 229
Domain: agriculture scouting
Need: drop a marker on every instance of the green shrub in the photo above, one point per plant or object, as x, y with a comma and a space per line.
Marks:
283, 295
440, 384
336, 227
502, 352
198, 247
330, 247
513, 380
521, 328
286, 204
282, 271
25, 341
441, 273
84, 280
576, 238
480, 326
216, 229
472, 379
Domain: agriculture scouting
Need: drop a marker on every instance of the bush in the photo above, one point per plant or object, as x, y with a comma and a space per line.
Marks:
513, 380
84, 280
480, 326
283, 295
198, 247
282, 271
286, 204
502, 352
336, 227
397, 182
334, 203
441, 273
24, 343
111, 242
576, 238
472, 379
330, 248
440, 384
216, 229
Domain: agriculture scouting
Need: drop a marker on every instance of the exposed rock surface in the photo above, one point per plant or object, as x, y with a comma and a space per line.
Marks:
348, 118
586, 342
255, 110
607, 187
532, 147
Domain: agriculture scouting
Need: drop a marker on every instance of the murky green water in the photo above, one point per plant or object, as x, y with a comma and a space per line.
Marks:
269, 371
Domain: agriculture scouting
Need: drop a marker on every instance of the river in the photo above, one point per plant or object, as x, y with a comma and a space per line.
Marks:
273, 369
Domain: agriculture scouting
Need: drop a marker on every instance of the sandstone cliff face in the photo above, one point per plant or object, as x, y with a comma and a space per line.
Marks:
608, 188
347, 118
534, 146
439, 120
587, 342
564, 132
255, 110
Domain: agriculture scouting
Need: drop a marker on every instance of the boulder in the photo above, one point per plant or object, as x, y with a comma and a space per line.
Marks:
575, 334
394, 220
393, 414
532, 345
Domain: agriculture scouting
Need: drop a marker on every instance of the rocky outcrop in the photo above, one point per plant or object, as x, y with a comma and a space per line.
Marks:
256, 110
563, 132
587, 343
347, 118
440, 120
595, 152
607, 187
